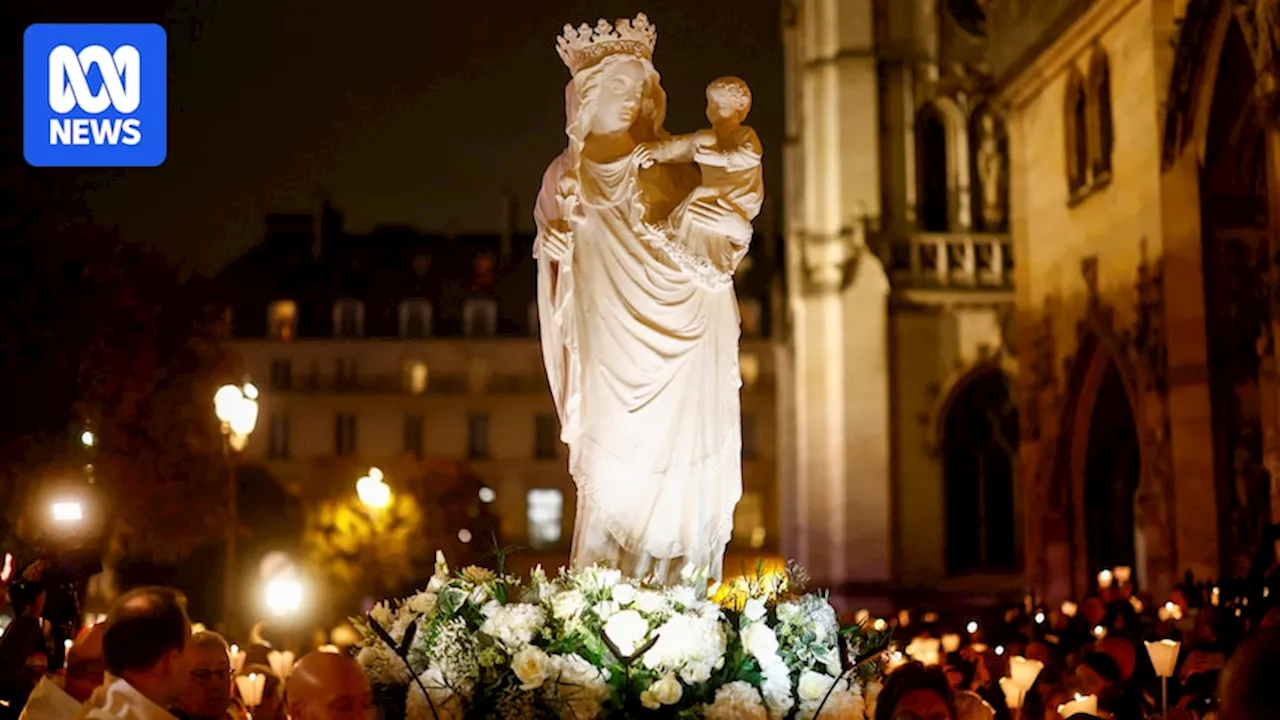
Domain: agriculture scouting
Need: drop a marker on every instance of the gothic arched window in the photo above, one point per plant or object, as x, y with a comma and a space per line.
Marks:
1076, 125
1101, 131
932, 186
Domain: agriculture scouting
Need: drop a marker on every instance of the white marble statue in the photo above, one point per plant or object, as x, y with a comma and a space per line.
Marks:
638, 316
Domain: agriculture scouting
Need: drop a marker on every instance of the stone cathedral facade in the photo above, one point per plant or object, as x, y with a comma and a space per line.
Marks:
899, 434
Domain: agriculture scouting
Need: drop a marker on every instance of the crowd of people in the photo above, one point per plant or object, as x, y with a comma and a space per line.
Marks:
145, 661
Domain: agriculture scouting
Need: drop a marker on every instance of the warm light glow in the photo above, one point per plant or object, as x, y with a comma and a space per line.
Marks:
87, 438
251, 687
1040, 618
373, 491
1175, 610
972, 627
281, 663
1099, 631
284, 596
1123, 573
880, 625
1069, 608
67, 512
329, 649
464, 536
237, 409
1136, 602
1087, 704
487, 495
950, 643
1105, 579
1164, 656
925, 650
999, 650
6, 570
1012, 693
1024, 672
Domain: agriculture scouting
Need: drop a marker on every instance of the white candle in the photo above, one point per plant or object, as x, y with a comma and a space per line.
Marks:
1105, 578
1024, 672
1087, 704
1164, 656
1012, 693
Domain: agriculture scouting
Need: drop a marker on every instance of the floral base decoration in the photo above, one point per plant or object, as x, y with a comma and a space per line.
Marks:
591, 643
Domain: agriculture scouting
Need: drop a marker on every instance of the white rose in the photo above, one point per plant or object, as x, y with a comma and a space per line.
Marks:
605, 609
491, 608
531, 666
567, 604
624, 594
684, 595
626, 630
648, 601
479, 595
760, 640
609, 578
754, 610
813, 686
666, 691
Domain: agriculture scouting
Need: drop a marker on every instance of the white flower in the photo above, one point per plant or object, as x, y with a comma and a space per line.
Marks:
813, 686
840, 705
581, 686
684, 596
760, 640
513, 625
532, 667
754, 610
666, 691
479, 595
627, 630
624, 594
444, 703
567, 604
789, 612
736, 701
776, 687
382, 666
688, 644
608, 577
423, 603
649, 601
437, 583
381, 614
605, 609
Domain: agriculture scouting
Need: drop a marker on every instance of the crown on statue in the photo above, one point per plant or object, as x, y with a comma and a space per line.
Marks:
586, 46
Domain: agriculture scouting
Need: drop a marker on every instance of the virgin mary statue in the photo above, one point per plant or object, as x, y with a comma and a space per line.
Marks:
639, 334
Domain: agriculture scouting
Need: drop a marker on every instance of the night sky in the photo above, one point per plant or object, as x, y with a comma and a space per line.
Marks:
404, 112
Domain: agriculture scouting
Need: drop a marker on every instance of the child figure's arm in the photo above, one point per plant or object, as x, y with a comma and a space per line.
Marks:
745, 153
677, 149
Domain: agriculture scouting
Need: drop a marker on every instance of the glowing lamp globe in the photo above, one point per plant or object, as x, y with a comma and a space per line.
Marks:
373, 491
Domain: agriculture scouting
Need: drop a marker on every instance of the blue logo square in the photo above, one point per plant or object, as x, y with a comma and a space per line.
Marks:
94, 95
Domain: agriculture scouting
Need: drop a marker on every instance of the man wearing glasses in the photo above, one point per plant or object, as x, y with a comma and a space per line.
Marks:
208, 695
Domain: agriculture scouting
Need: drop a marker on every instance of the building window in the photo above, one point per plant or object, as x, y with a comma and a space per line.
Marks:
413, 434
415, 377
1101, 131
546, 517
415, 319
546, 436
282, 320
348, 318
933, 200
344, 435
478, 436
278, 436
749, 449
751, 312
346, 372
1076, 125
749, 526
480, 318
534, 326
281, 374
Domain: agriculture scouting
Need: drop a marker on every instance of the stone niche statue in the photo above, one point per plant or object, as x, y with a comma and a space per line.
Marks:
991, 167
639, 234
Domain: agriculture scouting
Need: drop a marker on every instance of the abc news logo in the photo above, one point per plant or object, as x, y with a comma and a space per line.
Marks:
94, 95
69, 89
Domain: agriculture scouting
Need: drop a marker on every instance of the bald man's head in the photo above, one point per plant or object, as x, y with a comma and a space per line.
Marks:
86, 667
325, 686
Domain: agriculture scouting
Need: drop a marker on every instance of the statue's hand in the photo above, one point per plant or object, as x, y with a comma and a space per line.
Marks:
557, 241
719, 216
644, 156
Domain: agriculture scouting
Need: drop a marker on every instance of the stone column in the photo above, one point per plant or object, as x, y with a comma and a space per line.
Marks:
841, 527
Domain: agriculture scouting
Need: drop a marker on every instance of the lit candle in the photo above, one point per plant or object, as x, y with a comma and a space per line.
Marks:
1123, 573
1105, 578
1215, 597
1087, 704
1164, 656
972, 627
1069, 608
950, 642
1024, 672
1136, 602
1012, 693
1099, 631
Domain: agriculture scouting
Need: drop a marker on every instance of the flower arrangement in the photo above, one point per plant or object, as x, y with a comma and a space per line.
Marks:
591, 643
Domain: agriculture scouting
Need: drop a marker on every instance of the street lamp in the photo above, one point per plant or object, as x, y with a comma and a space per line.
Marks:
67, 512
373, 490
237, 409
284, 596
